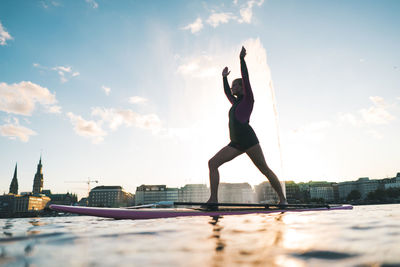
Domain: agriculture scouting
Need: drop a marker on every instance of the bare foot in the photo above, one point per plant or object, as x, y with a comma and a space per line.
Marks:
283, 202
208, 207
212, 200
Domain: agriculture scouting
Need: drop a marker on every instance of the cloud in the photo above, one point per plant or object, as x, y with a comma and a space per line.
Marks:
4, 35
114, 118
88, 129
62, 77
194, 27
313, 132
106, 90
14, 130
47, 3
313, 127
378, 113
246, 12
137, 100
199, 67
369, 119
54, 109
375, 134
350, 118
93, 3
21, 98
218, 18
117, 117
62, 71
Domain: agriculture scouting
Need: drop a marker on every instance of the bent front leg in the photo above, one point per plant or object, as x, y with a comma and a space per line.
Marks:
224, 155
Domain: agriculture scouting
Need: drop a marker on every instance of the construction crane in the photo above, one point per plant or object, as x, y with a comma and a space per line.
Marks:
88, 182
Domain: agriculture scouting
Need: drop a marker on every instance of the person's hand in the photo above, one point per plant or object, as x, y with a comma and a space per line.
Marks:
225, 72
243, 52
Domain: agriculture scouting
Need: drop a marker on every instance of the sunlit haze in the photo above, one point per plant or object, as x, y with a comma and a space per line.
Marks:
130, 92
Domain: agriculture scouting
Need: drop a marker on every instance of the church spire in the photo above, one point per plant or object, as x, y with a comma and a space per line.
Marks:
14, 182
38, 180
39, 166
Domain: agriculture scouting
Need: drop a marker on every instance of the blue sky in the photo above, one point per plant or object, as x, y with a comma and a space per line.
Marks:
130, 92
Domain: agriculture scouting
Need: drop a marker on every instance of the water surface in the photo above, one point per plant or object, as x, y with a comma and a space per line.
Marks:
365, 236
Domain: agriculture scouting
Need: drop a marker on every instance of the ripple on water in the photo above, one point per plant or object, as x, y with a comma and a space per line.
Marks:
359, 227
391, 264
128, 234
379, 265
21, 238
324, 254
365, 236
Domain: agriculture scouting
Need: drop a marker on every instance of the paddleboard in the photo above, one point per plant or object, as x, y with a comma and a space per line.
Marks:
156, 213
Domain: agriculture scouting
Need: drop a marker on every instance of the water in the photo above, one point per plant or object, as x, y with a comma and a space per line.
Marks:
365, 236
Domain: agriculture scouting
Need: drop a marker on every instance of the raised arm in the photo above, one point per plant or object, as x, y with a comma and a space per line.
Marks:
245, 107
247, 92
227, 89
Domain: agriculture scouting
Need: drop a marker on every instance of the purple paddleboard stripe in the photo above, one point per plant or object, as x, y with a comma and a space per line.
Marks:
118, 213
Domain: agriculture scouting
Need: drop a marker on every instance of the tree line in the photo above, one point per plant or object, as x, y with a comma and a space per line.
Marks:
379, 195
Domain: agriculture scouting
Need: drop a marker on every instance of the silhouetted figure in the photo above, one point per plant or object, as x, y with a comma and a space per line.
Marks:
243, 137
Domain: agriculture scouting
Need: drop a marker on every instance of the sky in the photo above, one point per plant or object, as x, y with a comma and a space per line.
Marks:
130, 92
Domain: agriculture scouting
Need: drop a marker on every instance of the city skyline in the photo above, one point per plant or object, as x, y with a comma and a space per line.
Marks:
131, 92
39, 179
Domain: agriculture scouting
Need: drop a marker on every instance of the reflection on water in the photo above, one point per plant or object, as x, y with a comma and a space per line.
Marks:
217, 234
365, 236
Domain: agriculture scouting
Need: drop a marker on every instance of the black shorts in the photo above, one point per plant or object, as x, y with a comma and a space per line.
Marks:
242, 147
242, 136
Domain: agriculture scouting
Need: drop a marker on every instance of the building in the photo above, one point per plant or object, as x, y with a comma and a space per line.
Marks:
61, 199
393, 182
109, 196
363, 185
304, 189
12, 204
38, 179
193, 193
31, 203
321, 190
236, 193
266, 194
172, 194
293, 194
311, 191
14, 183
148, 194
335, 187
345, 188
83, 202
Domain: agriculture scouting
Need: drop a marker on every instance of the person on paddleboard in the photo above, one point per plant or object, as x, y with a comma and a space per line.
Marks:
242, 136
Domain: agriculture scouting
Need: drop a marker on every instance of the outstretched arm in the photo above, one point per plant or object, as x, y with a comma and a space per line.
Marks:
245, 107
247, 92
227, 89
